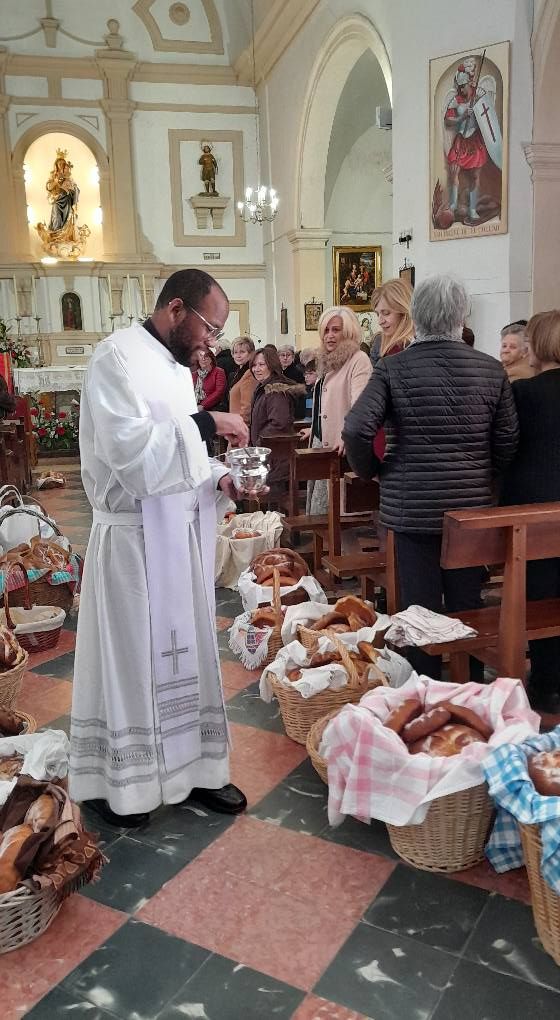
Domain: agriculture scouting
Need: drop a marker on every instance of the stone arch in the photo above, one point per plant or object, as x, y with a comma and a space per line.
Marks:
102, 160
543, 156
344, 45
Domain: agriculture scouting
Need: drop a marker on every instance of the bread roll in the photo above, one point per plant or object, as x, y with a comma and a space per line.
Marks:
544, 770
10, 723
263, 618
350, 604
426, 723
468, 717
402, 714
40, 814
293, 674
10, 847
447, 741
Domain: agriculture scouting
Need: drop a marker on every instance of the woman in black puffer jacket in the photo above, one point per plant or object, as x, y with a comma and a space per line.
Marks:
451, 428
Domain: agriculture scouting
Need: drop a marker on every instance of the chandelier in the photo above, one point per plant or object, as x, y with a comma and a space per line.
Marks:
261, 203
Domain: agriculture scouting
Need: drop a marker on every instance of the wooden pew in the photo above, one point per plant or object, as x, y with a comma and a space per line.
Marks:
15, 460
509, 535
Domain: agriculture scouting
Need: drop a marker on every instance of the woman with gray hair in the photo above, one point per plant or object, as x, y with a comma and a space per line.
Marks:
451, 427
514, 352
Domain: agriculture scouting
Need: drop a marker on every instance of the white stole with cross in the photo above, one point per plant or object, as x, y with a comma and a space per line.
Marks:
169, 530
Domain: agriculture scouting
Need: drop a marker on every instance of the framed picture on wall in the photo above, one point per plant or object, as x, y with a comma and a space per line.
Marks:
407, 273
469, 114
313, 312
356, 274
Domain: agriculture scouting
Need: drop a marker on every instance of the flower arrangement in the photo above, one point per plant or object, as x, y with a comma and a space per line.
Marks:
17, 349
55, 430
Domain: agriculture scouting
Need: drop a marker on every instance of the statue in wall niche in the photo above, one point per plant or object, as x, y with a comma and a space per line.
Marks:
209, 170
63, 238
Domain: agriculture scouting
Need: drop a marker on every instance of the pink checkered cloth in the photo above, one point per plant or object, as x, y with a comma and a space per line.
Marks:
371, 772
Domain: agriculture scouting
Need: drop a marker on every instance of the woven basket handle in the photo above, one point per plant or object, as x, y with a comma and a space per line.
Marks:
10, 492
276, 600
353, 675
32, 513
15, 564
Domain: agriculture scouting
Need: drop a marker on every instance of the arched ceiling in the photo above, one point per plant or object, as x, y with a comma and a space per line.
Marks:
365, 89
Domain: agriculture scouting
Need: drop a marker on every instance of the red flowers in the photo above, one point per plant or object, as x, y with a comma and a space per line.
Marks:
34, 412
62, 414
60, 430
41, 432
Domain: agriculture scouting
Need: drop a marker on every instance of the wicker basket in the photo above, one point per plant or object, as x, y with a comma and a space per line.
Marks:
24, 915
453, 834
40, 634
299, 714
308, 637
11, 681
313, 742
275, 640
545, 902
41, 592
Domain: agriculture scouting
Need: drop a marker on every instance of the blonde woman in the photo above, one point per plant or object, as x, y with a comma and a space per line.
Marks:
242, 382
391, 303
343, 370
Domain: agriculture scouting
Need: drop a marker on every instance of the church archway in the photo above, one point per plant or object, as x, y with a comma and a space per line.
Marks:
342, 49
543, 156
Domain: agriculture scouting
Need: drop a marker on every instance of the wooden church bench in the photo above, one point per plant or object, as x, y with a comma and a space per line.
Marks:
512, 536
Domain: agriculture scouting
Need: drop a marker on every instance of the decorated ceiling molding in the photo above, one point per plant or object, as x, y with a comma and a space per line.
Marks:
170, 25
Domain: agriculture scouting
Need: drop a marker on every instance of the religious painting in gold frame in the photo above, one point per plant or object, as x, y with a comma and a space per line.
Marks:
469, 114
356, 274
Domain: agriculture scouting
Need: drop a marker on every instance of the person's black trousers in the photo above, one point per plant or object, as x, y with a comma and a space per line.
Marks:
543, 582
422, 582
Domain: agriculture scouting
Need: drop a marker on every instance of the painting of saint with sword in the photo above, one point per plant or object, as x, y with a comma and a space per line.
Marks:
468, 144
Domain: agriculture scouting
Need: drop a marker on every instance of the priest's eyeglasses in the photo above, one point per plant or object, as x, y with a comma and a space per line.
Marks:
214, 331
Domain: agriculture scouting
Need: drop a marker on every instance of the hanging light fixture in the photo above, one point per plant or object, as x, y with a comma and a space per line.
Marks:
261, 203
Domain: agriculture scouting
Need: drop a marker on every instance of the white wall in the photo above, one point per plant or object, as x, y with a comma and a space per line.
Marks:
496, 269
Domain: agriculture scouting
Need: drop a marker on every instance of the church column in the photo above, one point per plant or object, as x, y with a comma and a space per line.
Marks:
117, 68
544, 160
10, 243
308, 253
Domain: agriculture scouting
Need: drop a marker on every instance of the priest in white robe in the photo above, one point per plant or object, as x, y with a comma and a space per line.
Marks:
148, 719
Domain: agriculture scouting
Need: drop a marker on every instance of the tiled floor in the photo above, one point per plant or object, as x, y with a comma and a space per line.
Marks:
272, 915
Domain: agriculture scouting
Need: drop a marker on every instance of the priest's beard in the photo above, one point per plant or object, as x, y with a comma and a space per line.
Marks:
180, 347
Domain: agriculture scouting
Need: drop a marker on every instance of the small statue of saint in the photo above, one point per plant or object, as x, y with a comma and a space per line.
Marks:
208, 171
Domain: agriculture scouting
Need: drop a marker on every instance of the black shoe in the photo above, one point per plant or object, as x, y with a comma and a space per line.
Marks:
228, 800
101, 808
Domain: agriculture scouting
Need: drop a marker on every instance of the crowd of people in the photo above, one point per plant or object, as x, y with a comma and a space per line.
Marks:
441, 424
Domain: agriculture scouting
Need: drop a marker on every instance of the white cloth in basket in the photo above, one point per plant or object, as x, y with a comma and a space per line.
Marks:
307, 613
45, 756
248, 642
233, 555
372, 774
253, 595
419, 626
315, 680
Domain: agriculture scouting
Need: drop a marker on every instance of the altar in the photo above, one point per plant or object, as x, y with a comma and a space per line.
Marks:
49, 379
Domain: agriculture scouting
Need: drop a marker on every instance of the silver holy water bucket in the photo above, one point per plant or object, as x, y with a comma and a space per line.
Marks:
249, 467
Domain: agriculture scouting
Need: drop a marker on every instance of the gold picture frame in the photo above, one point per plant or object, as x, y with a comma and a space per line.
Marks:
313, 311
356, 274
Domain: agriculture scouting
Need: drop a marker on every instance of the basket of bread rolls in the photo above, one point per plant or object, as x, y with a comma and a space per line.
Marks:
299, 713
296, 583
45, 855
454, 832
13, 663
525, 784
348, 615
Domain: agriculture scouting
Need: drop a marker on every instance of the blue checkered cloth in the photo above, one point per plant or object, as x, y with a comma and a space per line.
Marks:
70, 576
517, 801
